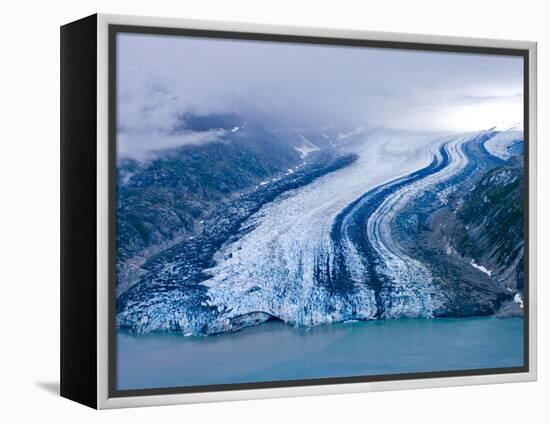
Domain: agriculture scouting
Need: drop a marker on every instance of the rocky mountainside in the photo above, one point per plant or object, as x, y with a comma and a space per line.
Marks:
166, 195
476, 240
166, 198
492, 223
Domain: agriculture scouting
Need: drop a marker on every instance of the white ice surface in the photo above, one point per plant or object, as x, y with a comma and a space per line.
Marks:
498, 145
412, 293
481, 268
518, 300
271, 268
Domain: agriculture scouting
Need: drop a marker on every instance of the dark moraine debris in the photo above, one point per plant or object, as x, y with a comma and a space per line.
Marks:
473, 242
170, 283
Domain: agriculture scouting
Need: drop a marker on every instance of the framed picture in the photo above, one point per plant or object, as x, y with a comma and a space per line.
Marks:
253, 211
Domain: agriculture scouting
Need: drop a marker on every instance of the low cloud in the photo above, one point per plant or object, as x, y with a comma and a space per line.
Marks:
144, 145
297, 85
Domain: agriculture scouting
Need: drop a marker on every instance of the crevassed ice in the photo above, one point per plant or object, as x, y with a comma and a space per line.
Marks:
411, 293
271, 268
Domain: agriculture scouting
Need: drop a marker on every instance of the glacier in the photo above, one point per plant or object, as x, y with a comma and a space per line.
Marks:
499, 145
319, 252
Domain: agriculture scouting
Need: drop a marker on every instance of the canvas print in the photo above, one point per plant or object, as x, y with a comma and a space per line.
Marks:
292, 211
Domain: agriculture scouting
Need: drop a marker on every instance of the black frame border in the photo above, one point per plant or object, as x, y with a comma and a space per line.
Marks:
78, 211
114, 29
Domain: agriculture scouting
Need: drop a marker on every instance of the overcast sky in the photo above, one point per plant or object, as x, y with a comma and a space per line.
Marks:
305, 86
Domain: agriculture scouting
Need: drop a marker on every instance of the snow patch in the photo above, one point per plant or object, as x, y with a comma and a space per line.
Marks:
481, 268
499, 144
306, 148
518, 300
450, 250
125, 177
508, 126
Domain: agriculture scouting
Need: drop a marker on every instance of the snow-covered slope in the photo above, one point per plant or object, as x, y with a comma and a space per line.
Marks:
499, 145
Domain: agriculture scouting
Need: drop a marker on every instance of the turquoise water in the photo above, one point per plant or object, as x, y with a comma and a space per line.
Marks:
275, 351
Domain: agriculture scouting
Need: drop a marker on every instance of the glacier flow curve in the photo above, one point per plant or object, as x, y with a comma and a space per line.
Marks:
407, 288
300, 258
318, 253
